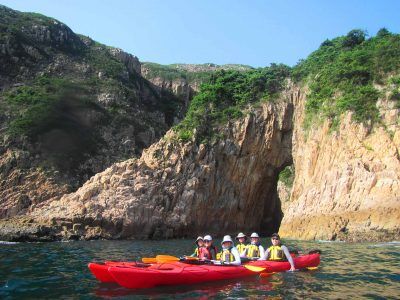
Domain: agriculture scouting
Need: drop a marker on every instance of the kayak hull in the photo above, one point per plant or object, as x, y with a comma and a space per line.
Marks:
139, 276
174, 274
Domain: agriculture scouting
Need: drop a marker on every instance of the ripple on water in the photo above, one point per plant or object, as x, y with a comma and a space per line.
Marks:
54, 270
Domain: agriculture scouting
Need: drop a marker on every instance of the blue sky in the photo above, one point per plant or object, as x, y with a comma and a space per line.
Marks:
255, 33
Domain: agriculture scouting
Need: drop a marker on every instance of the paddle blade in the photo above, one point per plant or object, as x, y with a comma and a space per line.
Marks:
166, 258
149, 260
254, 268
312, 268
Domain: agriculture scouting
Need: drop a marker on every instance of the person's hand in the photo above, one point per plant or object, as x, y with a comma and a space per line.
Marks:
292, 268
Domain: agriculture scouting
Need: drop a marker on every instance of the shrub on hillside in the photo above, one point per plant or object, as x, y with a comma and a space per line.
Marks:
225, 96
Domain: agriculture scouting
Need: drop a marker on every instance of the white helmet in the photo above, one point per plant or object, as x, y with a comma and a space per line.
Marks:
227, 238
240, 235
254, 235
207, 237
199, 238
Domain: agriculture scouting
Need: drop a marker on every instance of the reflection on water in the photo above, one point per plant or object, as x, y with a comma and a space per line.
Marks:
54, 270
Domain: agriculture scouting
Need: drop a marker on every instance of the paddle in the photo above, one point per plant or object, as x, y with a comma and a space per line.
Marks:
167, 258
254, 268
149, 260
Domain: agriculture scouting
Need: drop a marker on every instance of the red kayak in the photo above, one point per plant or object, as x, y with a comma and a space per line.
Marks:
100, 271
178, 273
301, 262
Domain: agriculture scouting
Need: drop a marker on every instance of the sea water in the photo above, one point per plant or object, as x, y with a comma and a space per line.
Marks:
59, 270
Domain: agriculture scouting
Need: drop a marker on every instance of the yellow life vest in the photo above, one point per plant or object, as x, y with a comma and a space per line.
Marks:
227, 256
252, 251
241, 247
276, 253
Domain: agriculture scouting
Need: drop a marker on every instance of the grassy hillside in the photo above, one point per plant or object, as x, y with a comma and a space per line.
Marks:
341, 75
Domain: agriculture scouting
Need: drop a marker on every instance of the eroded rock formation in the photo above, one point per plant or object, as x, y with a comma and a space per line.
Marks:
177, 189
347, 182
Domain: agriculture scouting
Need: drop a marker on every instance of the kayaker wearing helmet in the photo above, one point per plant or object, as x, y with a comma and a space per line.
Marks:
199, 243
209, 251
229, 255
254, 250
278, 252
241, 238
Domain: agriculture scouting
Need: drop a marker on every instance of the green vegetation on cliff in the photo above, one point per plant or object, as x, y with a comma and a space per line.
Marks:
166, 72
72, 101
61, 115
286, 176
341, 75
191, 72
226, 95
40, 106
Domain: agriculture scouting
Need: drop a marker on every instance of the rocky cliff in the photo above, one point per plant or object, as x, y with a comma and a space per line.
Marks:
70, 108
179, 189
347, 181
345, 185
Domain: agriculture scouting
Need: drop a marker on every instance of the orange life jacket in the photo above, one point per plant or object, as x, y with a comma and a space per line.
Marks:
208, 252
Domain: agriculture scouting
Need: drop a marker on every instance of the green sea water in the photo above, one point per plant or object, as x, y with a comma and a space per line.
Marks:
59, 270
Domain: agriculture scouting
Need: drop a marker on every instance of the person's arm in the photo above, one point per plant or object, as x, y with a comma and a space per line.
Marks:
265, 256
262, 251
236, 255
289, 258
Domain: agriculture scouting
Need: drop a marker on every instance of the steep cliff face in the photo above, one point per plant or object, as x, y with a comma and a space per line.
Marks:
180, 87
177, 189
347, 181
70, 107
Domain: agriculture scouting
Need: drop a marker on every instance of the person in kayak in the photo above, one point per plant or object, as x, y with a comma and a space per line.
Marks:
199, 243
209, 251
241, 246
255, 249
278, 252
229, 254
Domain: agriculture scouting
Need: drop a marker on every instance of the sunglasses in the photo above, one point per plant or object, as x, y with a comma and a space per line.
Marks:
275, 239
207, 241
